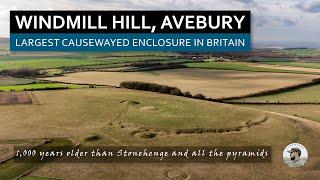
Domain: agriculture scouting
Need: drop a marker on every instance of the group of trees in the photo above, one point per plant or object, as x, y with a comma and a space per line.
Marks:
149, 66
144, 86
20, 73
151, 87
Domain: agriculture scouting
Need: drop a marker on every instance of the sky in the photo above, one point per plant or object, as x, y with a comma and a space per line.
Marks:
272, 20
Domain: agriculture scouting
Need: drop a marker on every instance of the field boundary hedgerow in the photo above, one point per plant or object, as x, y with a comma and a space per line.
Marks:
164, 89
272, 91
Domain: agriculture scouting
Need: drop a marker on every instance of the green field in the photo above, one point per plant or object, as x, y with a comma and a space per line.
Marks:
7, 81
51, 72
85, 55
39, 86
303, 95
296, 64
45, 63
271, 59
240, 67
302, 52
11, 63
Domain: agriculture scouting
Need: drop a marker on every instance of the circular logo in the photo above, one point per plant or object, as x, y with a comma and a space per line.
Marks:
295, 155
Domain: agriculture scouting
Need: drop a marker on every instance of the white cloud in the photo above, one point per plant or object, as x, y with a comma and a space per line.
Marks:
309, 6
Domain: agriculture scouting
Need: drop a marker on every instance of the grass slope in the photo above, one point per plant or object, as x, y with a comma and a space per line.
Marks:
81, 110
311, 112
78, 113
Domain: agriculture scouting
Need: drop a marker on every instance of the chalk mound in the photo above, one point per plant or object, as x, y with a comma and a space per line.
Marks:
148, 108
130, 102
177, 175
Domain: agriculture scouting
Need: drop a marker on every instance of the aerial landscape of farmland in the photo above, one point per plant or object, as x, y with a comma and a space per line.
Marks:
265, 97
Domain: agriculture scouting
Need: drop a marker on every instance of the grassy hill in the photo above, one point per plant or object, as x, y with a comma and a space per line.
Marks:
117, 115
96, 108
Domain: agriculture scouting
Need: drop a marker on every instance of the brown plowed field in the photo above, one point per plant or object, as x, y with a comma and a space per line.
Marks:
14, 98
